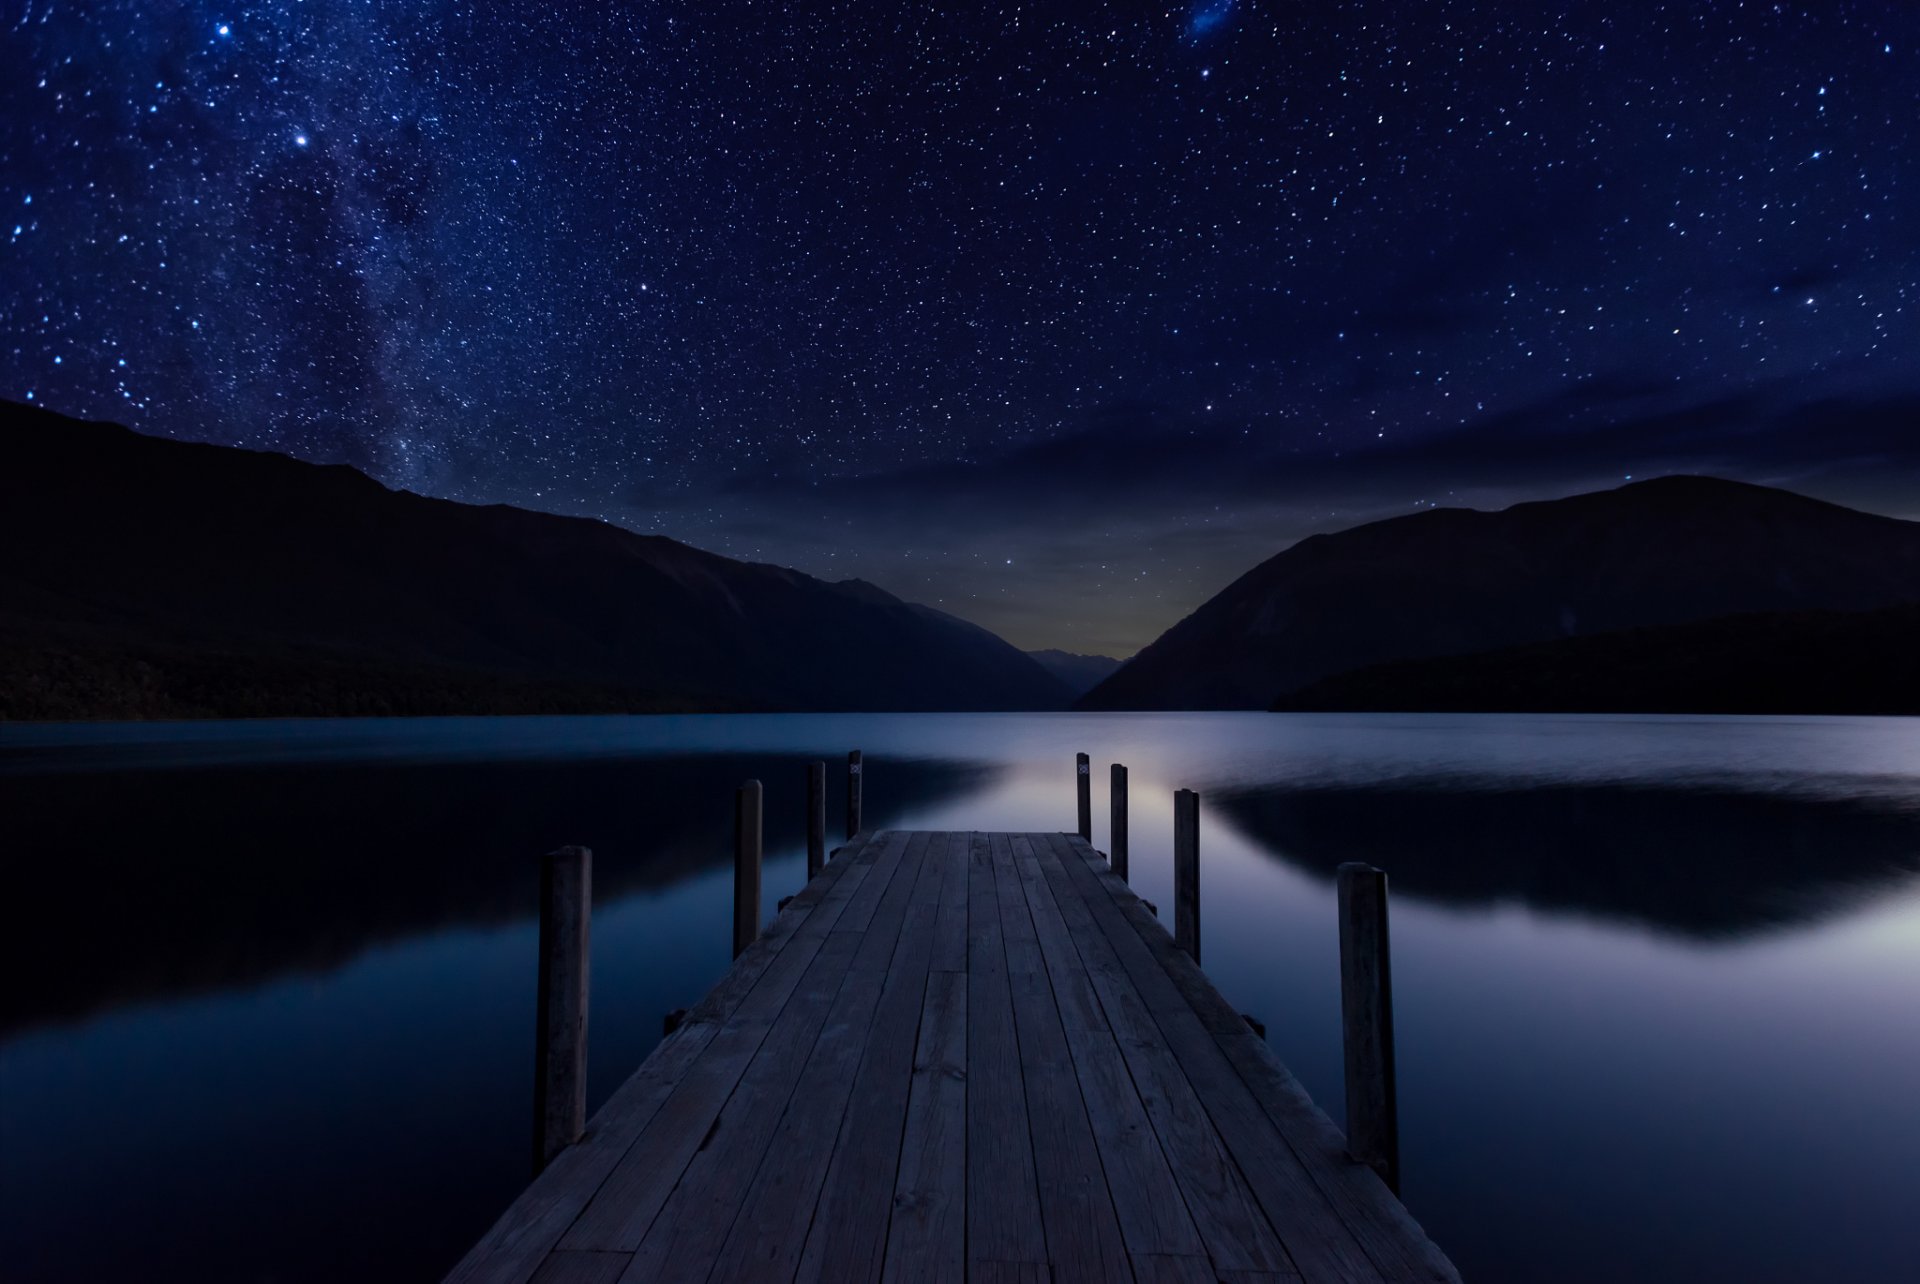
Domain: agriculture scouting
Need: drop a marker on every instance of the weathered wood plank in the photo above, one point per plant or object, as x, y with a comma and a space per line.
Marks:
950, 927
960, 1056
848, 1237
1232, 1227
1316, 1240
1173, 1268
926, 1239
619, 1213
520, 1239
581, 1268
1002, 1197
1381, 1223
686, 1237
767, 1237
1151, 1211
1083, 1237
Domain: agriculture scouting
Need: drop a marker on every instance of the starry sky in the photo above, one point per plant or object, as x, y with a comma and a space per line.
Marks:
1059, 316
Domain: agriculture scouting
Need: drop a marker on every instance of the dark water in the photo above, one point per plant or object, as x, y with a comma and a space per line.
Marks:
267, 1004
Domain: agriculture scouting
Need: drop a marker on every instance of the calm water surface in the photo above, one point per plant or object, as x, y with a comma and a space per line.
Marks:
269, 986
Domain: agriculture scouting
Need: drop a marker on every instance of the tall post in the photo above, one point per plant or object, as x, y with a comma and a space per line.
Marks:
560, 1008
1186, 871
853, 794
816, 819
1117, 823
1083, 795
1366, 1009
746, 866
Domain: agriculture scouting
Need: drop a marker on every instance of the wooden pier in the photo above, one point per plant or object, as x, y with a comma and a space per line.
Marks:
959, 1056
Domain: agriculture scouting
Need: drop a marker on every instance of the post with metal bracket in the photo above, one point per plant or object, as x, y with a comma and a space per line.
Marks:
1083, 793
853, 793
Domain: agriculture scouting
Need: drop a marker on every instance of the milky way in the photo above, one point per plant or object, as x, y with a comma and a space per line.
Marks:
1056, 315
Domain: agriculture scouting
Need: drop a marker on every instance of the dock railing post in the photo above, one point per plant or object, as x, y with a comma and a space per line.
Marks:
1083, 794
1366, 1009
560, 1016
1117, 822
816, 819
854, 763
746, 866
1186, 872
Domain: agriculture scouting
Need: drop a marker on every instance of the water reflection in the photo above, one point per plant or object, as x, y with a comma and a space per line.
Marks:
270, 984
1712, 864
217, 877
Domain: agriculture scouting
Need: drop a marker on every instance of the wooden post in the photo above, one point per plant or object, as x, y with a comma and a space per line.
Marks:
1117, 823
1366, 1009
816, 819
1186, 871
853, 794
560, 1015
1083, 795
746, 866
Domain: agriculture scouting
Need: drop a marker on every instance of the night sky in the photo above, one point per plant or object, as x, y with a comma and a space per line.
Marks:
1059, 316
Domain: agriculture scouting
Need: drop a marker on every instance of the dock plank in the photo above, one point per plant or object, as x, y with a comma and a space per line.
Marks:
959, 1057
514, 1248
1316, 1240
847, 1239
1003, 1207
1083, 1239
1376, 1218
622, 1210
1232, 1227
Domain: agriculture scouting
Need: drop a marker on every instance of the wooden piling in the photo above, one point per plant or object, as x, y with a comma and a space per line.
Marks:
746, 866
1366, 1008
560, 1016
853, 793
1186, 872
816, 819
1117, 821
1083, 794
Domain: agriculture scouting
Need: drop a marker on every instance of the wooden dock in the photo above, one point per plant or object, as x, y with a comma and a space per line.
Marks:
959, 1056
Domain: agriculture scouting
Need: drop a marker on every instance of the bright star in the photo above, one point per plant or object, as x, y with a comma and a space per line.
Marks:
299, 140
224, 29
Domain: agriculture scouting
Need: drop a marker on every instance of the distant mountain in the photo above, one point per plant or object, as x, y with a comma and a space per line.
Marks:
1078, 673
1806, 662
1455, 581
145, 577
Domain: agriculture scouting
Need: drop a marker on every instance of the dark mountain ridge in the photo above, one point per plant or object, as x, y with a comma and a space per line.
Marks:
123, 556
1078, 673
1456, 581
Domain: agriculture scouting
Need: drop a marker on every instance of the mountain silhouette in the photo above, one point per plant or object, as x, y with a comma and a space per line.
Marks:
1078, 673
1456, 581
1839, 662
146, 577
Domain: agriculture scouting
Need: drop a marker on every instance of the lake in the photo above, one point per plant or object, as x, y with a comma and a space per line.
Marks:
269, 1000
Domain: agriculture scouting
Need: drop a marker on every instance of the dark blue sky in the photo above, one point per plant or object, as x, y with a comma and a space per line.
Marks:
1059, 316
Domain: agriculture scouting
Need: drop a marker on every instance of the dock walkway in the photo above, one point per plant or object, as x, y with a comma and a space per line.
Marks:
959, 1056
